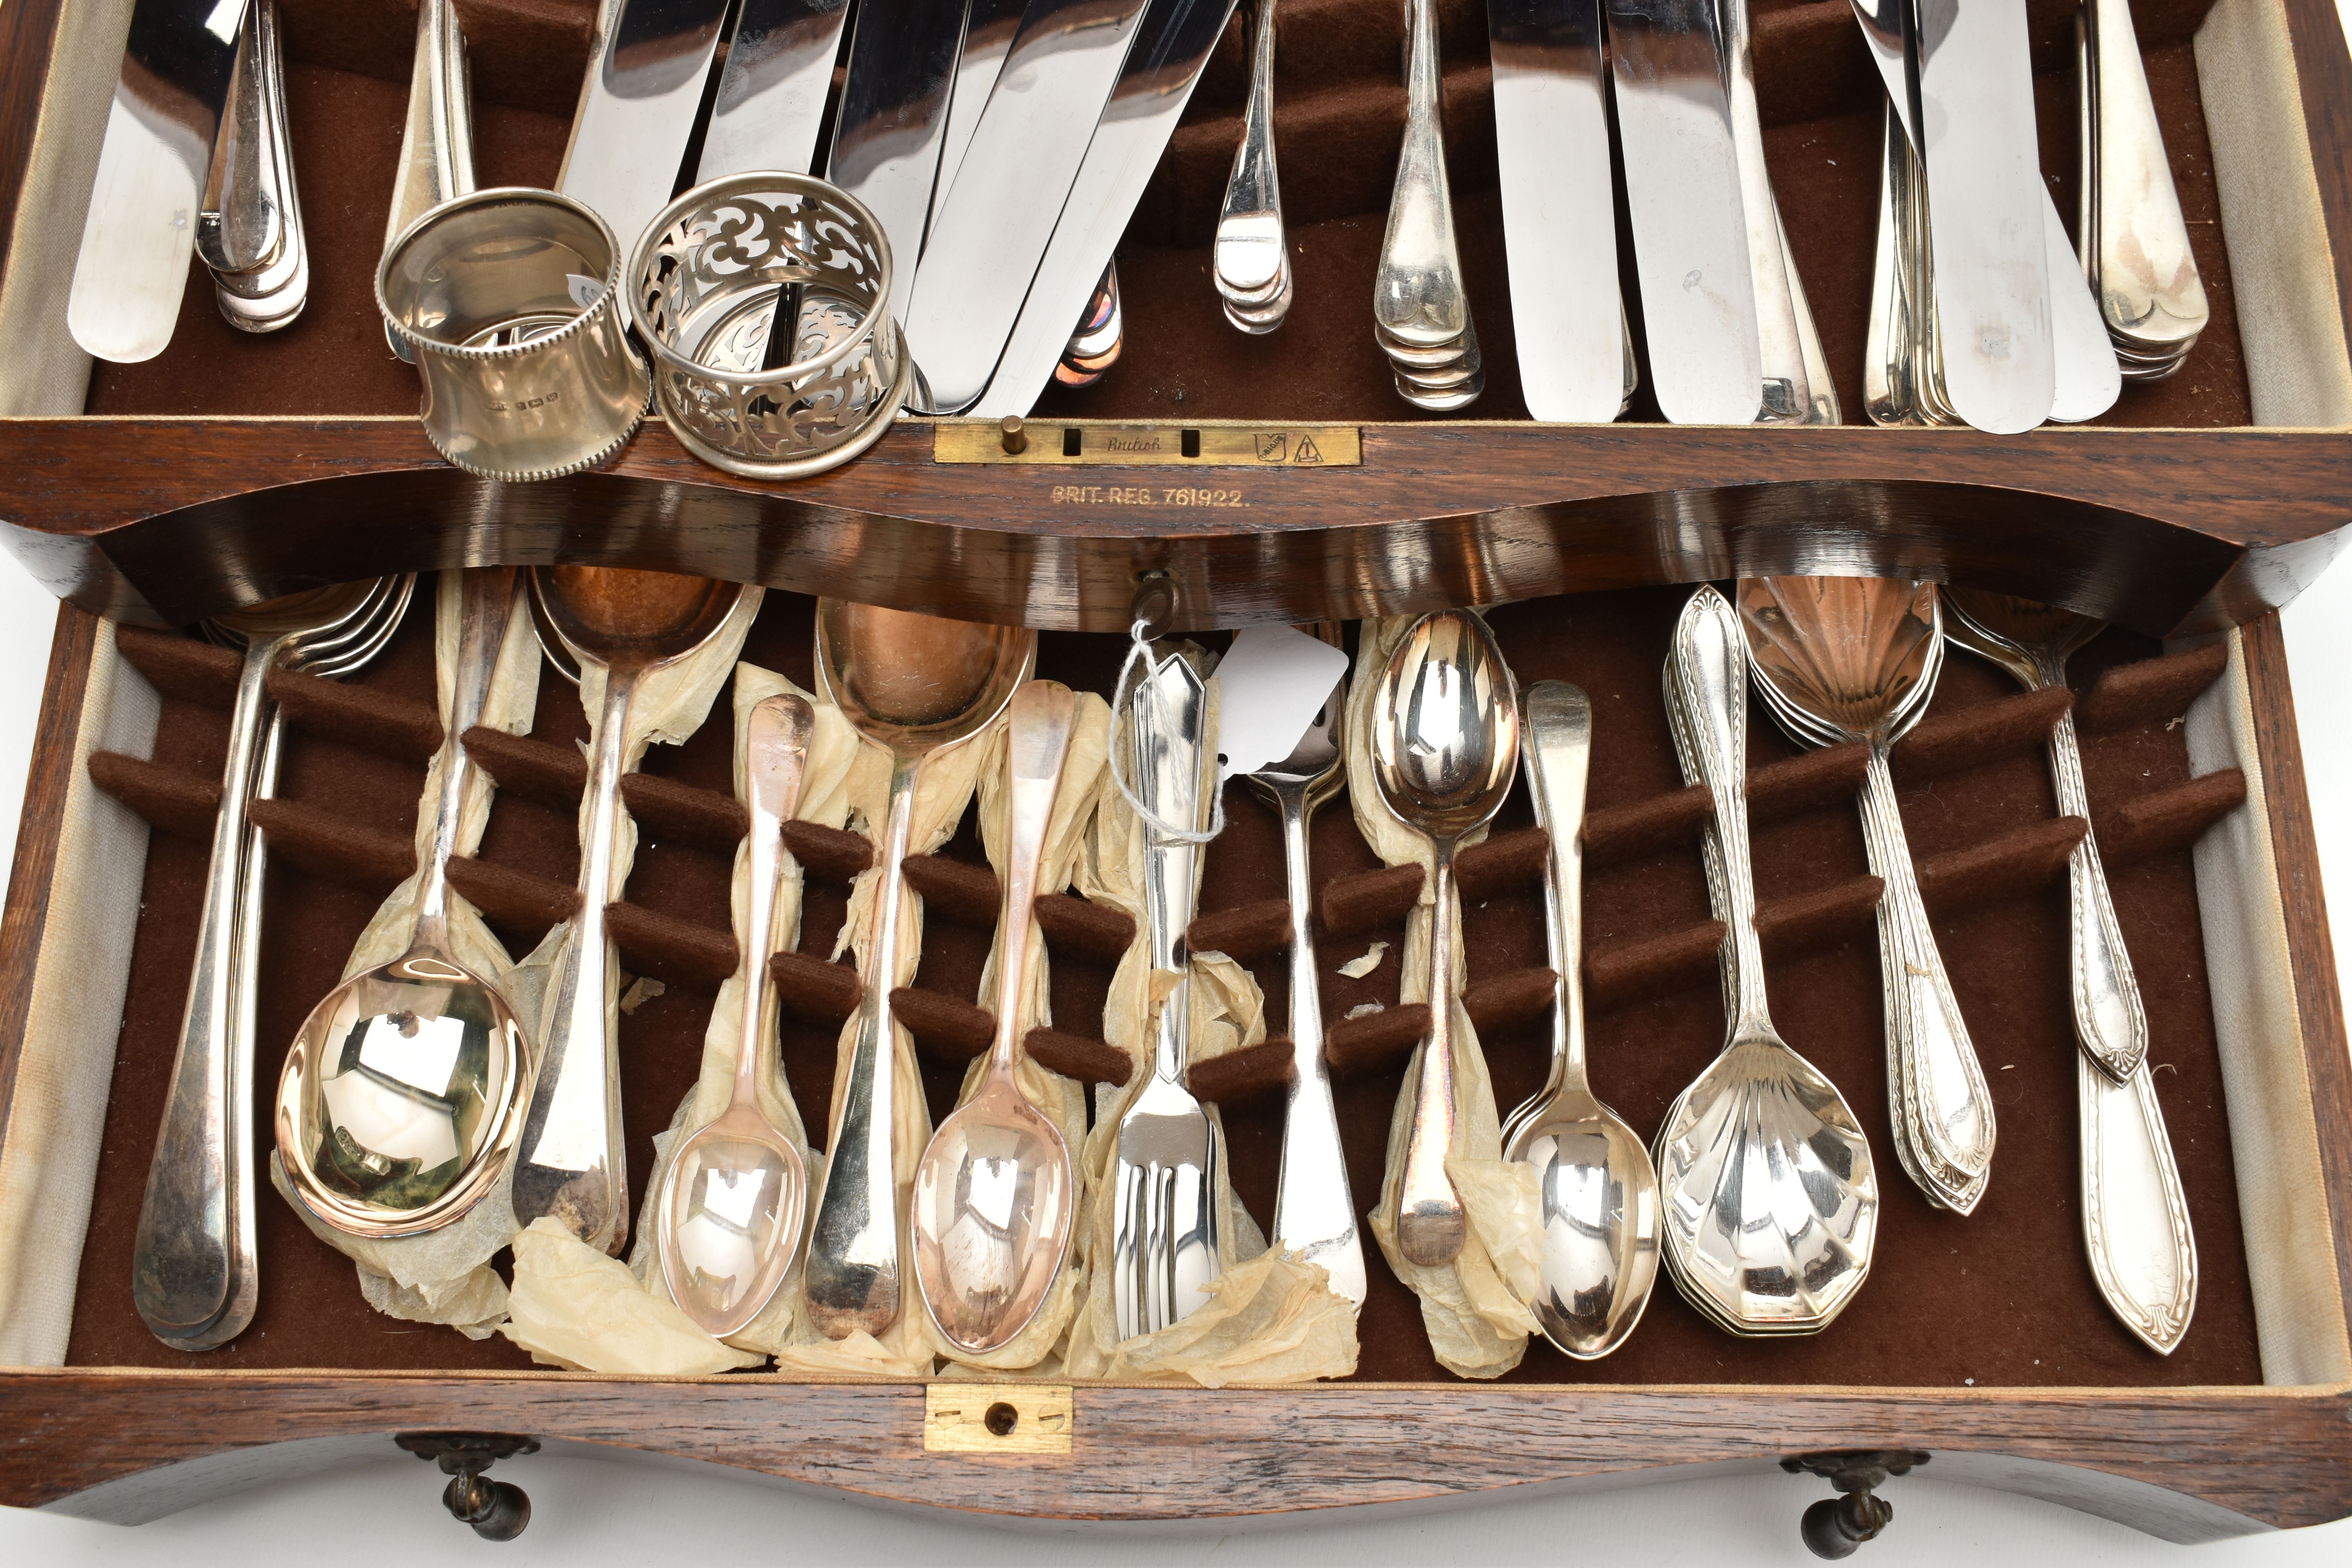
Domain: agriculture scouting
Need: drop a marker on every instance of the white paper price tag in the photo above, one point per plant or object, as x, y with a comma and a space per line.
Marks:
1270, 686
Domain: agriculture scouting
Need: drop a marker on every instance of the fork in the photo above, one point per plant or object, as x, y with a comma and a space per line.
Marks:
1164, 1243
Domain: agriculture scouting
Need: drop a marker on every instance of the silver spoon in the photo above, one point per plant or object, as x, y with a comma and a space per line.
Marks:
396, 1105
1842, 659
1314, 1212
2134, 1217
1772, 1199
570, 1166
1599, 1189
728, 1220
913, 685
194, 1276
996, 1196
1446, 746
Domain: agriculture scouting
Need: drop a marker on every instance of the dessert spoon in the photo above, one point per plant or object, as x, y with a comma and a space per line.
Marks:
1600, 1190
996, 1201
1770, 1199
1841, 660
396, 1105
1445, 747
570, 1166
729, 1216
913, 685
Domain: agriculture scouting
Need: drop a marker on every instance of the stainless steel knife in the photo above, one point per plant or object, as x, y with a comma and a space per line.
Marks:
646, 66
153, 168
1985, 206
893, 123
2086, 379
1559, 231
1683, 190
1015, 182
772, 90
988, 29
1171, 46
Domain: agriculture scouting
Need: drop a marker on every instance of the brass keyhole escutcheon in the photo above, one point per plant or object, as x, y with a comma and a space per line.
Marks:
997, 1418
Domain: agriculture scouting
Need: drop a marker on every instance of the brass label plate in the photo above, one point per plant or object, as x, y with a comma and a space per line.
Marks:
1080, 443
997, 1418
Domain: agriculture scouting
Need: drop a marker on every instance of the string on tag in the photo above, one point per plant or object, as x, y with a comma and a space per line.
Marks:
1138, 649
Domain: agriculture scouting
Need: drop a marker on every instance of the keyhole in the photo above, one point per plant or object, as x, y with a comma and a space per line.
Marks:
1000, 1419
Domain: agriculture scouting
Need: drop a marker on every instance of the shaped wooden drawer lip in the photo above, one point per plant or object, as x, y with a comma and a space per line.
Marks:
2170, 533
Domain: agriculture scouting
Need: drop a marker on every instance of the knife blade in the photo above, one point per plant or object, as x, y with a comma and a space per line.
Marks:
2086, 379
153, 168
1976, 136
771, 92
1156, 81
1010, 193
1690, 227
646, 66
893, 122
1551, 137
988, 29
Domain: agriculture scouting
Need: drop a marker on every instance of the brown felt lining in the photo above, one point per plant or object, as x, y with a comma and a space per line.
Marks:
2015, 1300
1339, 121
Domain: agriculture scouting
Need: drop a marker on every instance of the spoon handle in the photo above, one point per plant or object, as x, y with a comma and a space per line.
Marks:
2110, 1020
195, 1237
571, 1167
1418, 293
1249, 246
486, 598
1784, 394
1431, 1222
2134, 1216
1313, 1211
1558, 757
1707, 685
2135, 241
1941, 1109
1045, 712
851, 1280
775, 763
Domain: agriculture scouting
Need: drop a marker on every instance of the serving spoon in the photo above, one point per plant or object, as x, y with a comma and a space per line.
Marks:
913, 685
1771, 1195
1841, 659
1599, 1188
396, 1105
995, 1203
727, 1219
1446, 746
570, 1166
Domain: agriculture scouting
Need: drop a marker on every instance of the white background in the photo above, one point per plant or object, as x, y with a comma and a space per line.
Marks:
589, 1511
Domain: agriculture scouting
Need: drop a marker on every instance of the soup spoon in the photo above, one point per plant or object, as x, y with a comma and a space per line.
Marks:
1771, 1196
913, 685
570, 1166
1600, 1190
396, 1105
728, 1215
1838, 660
994, 1200
1446, 746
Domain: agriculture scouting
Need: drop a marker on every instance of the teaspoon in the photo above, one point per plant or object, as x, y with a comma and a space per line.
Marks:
729, 1216
1840, 659
396, 1105
1599, 1189
995, 1203
570, 1167
1771, 1196
913, 685
1446, 746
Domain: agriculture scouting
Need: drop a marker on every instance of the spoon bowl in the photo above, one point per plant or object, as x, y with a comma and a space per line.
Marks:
1445, 747
914, 683
995, 1197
